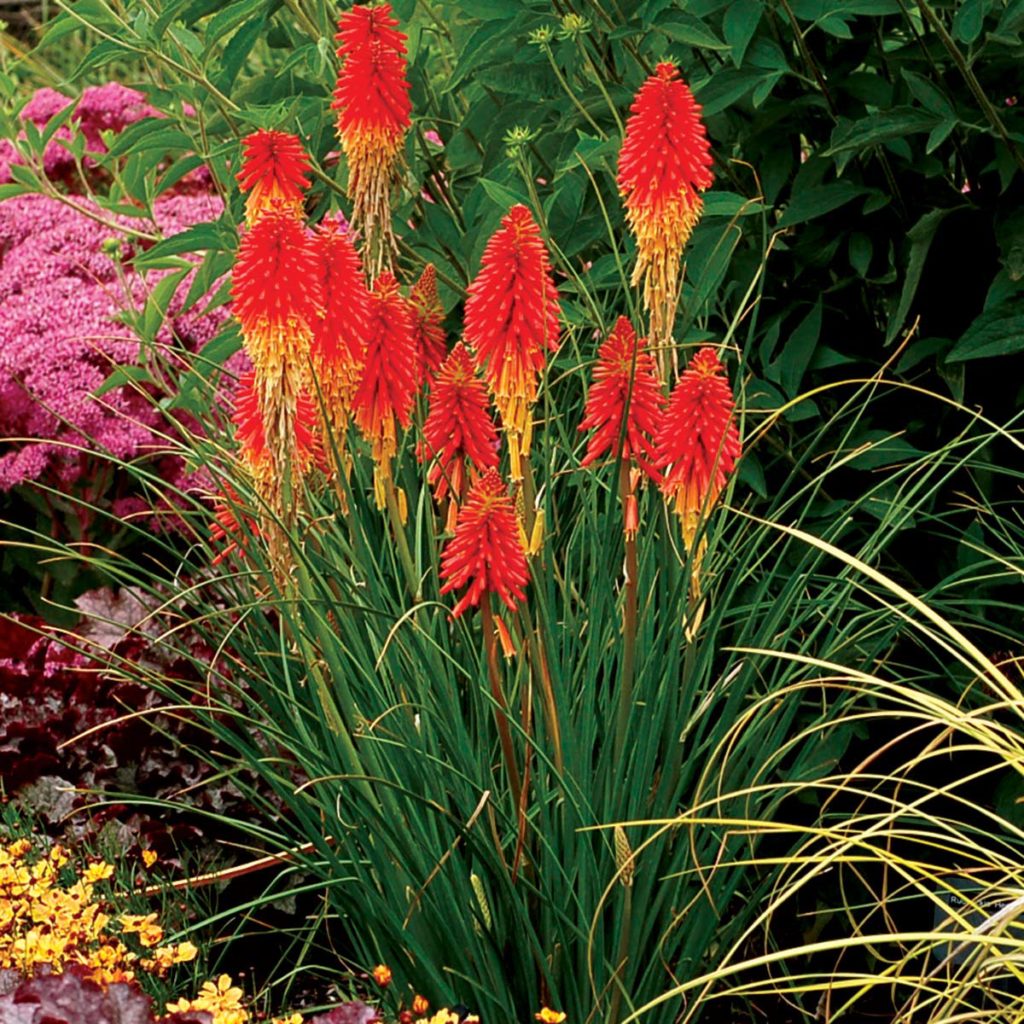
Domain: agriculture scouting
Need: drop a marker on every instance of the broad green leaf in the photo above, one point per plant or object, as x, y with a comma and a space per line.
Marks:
122, 375
860, 252
927, 94
504, 196
969, 20
835, 25
685, 28
197, 238
819, 200
739, 25
997, 332
798, 350
868, 131
920, 235
938, 135
720, 203
767, 54
724, 88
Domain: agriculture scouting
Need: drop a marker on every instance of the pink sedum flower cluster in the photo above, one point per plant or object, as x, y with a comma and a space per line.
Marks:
60, 295
64, 280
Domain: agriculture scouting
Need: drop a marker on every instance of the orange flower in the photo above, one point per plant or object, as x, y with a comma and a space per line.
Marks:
382, 975
459, 428
664, 162
420, 1005
486, 554
626, 388
428, 315
339, 346
372, 100
512, 319
387, 386
274, 167
698, 444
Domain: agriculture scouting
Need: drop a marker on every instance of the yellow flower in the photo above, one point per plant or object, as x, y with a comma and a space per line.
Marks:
149, 858
549, 1016
98, 872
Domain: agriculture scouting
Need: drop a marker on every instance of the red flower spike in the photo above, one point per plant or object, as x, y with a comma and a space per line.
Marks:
372, 100
275, 294
698, 444
232, 525
626, 386
486, 554
339, 346
664, 162
252, 438
512, 317
387, 386
428, 317
274, 166
459, 428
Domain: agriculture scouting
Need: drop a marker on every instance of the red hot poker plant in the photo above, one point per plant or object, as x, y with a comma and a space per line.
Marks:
512, 322
485, 554
459, 431
428, 318
387, 387
626, 389
373, 105
664, 163
698, 443
274, 168
276, 299
339, 347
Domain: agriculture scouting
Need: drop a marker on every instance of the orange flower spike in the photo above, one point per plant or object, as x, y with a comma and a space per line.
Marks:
665, 161
486, 554
459, 427
276, 296
512, 317
698, 443
274, 167
373, 105
626, 387
387, 386
428, 317
339, 347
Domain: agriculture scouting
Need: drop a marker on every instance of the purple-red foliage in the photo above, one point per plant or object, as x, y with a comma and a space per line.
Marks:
71, 998
50, 694
348, 1013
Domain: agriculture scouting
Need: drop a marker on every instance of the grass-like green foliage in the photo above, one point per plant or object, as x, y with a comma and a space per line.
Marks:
758, 756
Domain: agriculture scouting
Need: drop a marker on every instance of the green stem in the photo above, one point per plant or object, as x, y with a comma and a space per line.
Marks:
629, 621
498, 693
572, 96
398, 529
622, 955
